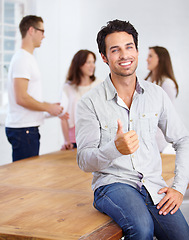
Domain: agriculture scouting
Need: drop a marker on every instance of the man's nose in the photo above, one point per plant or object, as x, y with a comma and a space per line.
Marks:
123, 54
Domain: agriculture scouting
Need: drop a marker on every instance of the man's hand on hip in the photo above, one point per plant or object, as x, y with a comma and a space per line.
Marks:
171, 202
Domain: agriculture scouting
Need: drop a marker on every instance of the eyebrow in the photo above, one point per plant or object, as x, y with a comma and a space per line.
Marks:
127, 44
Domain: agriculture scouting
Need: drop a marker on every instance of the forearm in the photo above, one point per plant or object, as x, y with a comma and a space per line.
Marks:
30, 103
92, 159
181, 165
65, 129
24, 99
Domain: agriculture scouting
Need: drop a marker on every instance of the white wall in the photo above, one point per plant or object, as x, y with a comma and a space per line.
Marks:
73, 25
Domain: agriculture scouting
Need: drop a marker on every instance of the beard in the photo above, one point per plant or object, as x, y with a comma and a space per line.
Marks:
124, 73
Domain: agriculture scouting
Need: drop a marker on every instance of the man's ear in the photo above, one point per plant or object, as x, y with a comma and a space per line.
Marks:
31, 30
104, 58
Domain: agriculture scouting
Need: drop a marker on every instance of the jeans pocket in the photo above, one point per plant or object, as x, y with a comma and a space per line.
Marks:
32, 135
14, 137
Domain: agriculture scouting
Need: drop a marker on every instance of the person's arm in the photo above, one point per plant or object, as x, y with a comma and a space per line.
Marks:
171, 202
91, 156
65, 130
176, 133
25, 100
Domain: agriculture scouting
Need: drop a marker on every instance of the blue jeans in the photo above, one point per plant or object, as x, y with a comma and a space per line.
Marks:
74, 145
135, 213
25, 142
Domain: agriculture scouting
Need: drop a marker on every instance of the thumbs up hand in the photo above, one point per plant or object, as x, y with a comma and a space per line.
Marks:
126, 143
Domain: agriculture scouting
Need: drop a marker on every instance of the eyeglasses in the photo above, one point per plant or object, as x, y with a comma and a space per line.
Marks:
41, 30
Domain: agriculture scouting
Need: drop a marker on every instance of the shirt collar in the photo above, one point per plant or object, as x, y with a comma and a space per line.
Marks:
139, 86
111, 92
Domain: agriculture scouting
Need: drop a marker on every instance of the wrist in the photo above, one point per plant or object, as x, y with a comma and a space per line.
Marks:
46, 107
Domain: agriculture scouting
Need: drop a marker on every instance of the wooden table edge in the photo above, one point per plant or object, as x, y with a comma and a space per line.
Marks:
114, 232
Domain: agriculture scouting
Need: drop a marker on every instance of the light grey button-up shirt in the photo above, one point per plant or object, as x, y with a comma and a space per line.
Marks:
96, 126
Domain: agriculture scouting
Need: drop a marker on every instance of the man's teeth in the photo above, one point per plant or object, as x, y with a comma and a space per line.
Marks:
125, 64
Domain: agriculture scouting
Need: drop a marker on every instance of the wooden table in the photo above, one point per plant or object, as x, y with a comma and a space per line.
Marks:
50, 198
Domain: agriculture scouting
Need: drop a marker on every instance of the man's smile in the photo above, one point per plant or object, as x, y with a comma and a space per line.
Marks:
125, 63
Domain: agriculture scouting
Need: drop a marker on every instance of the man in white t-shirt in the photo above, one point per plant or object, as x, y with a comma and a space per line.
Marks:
26, 108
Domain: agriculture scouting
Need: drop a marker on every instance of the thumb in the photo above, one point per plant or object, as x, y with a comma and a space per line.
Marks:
120, 127
163, 190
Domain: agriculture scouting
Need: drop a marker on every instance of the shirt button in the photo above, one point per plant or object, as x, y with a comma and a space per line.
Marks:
143, 181
27, 131
131, 120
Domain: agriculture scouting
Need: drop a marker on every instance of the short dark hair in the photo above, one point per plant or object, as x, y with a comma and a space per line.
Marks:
115, 26
27, 22
79, 59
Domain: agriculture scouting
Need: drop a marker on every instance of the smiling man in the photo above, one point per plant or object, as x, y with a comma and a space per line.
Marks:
116, 125
25, 111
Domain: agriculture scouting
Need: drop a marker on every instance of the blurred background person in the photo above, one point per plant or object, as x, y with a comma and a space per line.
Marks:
26, 107
80, 79
161, 73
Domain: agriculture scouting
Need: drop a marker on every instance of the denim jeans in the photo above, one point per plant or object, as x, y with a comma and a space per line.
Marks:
135, 213
25, 142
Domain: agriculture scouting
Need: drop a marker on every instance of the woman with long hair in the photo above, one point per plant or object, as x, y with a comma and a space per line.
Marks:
161, 73
80, 79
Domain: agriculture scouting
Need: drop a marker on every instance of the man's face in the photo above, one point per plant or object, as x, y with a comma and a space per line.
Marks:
38, 35
121, 54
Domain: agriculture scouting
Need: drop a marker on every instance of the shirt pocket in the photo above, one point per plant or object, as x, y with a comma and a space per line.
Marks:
105, 133
148, 126
108, 131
